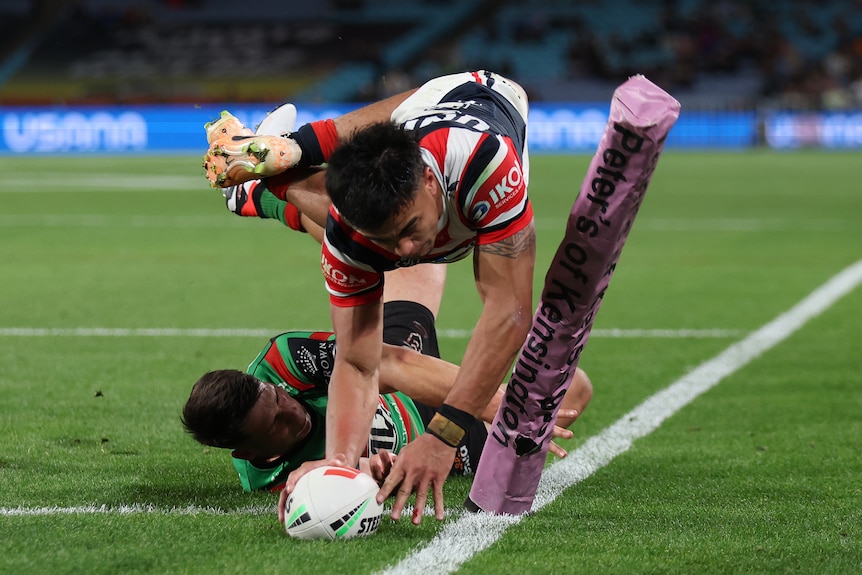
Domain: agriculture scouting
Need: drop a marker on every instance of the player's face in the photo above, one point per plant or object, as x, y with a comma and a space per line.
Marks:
411, 233
275, 424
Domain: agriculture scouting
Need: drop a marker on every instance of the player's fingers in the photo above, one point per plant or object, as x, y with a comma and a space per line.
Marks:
562, 432
282, 501
557, 450
401, 497
439, 509
421, 498
394, 479
568, 414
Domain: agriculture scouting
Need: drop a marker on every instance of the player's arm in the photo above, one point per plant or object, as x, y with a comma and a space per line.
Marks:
353, 388
316, 141
504, 279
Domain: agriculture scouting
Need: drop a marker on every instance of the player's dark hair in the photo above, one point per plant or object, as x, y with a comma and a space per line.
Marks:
218, 406
375, 175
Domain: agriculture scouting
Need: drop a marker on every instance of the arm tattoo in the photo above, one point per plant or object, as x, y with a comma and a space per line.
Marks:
513, 246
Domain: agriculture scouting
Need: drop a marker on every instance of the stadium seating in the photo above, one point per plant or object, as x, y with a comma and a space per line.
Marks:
716, 54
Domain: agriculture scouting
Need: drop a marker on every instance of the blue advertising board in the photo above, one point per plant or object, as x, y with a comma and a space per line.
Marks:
553, 128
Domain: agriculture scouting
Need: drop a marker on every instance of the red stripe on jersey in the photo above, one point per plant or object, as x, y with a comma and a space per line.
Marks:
477, 77
435, 142
320, 335
276, 360
512, 228
353, 301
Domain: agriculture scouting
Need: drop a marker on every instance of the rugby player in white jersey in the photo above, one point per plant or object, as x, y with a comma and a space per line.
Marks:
426, 176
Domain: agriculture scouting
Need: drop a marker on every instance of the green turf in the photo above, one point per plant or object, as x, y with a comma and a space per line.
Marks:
759, 475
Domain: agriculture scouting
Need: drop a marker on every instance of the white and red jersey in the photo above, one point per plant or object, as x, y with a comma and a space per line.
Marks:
472, 138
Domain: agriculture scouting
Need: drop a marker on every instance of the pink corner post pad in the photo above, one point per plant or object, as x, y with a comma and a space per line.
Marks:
641, 116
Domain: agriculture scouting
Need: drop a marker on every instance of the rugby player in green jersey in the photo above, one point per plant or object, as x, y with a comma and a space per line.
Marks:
273, 417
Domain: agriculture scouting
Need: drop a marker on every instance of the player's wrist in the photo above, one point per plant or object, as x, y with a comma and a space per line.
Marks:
450, 425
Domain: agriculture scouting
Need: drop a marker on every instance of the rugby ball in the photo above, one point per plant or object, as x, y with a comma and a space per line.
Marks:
333, 503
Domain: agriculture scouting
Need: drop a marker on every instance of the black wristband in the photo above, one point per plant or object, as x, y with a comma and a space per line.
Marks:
455, 415
450, 425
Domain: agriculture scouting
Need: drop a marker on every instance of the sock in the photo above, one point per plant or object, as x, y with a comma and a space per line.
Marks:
317, 141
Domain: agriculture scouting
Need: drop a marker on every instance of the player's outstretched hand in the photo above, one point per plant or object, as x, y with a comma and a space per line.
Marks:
337, 461
422, 465
380, 465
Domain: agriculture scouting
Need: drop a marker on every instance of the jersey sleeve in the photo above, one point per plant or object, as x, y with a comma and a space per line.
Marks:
300, 362
493, 191
352, 265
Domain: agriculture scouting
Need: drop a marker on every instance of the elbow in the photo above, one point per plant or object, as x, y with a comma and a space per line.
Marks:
518, 325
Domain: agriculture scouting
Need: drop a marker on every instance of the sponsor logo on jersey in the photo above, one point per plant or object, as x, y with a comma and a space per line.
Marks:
414, 342
462, 464
480, 210
504, 189
340, 277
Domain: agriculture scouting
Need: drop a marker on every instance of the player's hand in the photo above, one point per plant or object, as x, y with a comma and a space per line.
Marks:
380, 465
562, 433
290, 484
423, 464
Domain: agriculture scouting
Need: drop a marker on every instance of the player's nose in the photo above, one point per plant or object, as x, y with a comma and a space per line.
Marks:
405, 247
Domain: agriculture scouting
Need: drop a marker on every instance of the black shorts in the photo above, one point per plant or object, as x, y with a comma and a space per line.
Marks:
409, 324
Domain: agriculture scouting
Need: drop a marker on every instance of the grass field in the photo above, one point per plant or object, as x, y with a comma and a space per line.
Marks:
123, 279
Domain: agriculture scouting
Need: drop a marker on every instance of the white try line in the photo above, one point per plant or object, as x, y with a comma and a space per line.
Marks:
463, 538
267, 333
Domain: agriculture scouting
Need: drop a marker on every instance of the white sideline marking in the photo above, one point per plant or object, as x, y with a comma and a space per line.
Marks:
147, 221
267, 333
133, 510
102, 182
120, 222
459, 540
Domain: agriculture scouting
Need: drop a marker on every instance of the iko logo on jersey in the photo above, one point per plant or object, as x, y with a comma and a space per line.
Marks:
503, 191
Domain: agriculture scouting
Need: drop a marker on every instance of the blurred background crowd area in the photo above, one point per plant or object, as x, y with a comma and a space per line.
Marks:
711, 54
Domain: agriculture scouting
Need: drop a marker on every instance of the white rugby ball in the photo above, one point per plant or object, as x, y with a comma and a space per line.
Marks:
333, 503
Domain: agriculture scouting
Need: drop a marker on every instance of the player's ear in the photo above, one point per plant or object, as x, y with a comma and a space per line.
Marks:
429, 180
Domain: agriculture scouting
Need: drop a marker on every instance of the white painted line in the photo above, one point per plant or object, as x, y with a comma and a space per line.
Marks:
226, 219
104, 221
103, 183
134, 510
267, 333
463, 538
